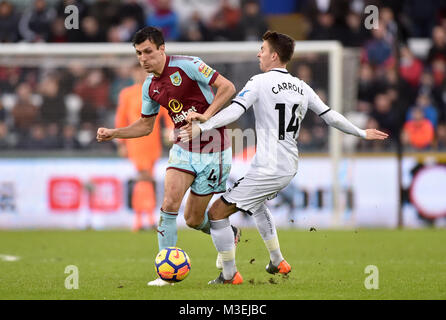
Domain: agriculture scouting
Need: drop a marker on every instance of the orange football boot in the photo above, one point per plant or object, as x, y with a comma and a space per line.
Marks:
236, 279
282, 268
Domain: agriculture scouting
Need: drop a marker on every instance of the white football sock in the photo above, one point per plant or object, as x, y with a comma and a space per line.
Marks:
223, 238
267, 229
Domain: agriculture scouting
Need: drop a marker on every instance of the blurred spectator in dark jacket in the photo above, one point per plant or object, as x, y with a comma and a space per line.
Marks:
388, 23
324, 27
325, 18
25, 112
53, 107
367, 86
252, 24
94, 92
35, 139
385, 114
9, 79
132, 9
411, 67
418, 132
91, 31
354, 33
69, 138
165, 18
195, 29
106, 13
438, 47
35, 23
113, 35
336, 8
223, 25
8, 23
127, 28
53, 136
422, 14
58, 32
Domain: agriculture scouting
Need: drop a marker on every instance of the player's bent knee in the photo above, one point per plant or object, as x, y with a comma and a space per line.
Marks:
170, 204
217, 210
192, 222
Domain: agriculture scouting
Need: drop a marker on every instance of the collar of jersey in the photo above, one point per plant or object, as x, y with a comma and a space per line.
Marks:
165, 67
283, 70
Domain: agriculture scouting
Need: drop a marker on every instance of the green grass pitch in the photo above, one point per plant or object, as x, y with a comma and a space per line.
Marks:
326, 265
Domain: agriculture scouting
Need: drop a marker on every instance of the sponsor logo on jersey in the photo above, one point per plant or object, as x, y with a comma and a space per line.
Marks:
205, 69
175, 78
183, 115
175, 105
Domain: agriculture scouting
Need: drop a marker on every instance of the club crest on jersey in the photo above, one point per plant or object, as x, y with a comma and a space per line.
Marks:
175, 78
175, 105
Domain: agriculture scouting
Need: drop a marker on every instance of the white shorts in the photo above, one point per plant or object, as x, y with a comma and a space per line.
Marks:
251, 191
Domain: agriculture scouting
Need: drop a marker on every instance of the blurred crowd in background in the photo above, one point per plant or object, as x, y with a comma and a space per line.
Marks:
398, 92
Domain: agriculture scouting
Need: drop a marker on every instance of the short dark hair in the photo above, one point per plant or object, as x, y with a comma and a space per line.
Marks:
148, 33
280, 43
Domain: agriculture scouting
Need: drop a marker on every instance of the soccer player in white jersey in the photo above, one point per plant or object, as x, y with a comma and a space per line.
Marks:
280, 102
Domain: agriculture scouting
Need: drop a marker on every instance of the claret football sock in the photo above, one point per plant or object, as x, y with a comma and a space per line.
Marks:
267, 229
223, 238
205, 226
167, 229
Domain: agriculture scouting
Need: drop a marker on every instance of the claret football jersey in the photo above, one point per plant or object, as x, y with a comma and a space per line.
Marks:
184, 86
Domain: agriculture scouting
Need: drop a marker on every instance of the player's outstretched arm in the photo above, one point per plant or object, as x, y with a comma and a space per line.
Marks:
139, 128
224, 117
225, 91
338, 121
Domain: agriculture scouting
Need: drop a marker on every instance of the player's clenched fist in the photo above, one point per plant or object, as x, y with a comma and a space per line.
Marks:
105, 134
194, 116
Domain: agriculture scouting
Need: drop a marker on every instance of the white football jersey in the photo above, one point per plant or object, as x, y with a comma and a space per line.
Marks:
280, 102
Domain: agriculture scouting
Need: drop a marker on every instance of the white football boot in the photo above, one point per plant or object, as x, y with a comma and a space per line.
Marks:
159, 283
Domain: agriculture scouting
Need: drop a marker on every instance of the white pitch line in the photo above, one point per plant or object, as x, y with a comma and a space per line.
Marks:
8, 258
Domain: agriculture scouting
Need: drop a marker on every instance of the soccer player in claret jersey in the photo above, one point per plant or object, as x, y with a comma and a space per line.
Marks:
181, 84
280, 102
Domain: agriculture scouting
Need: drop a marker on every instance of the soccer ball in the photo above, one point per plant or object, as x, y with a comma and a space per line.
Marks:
172, 264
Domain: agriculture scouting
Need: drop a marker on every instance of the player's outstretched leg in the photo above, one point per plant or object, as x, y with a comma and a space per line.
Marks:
205, 227
237, 236
167, 230
167, 237
267, 229
223, 238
